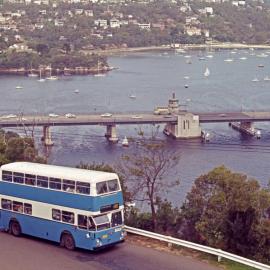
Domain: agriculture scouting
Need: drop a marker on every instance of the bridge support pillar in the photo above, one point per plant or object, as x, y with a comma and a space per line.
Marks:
111, 134
47, 137
187, 126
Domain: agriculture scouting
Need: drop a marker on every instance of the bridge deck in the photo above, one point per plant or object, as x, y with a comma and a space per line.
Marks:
129, 118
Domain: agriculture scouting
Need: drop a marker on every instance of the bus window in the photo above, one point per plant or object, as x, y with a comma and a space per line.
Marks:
28, 209
6, 204
82, 222
82, 188
7, 176
91, 224
55, 183
56, 214
42, 181
102, 222
67, 217
113, 185
30, 179
18, 178
102, 187
117, 219
68, 185
17, 206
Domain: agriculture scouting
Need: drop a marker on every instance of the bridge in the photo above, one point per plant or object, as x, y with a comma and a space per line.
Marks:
185, 119
179, 123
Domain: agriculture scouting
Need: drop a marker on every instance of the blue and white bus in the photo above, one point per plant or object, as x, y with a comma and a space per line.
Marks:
74, 207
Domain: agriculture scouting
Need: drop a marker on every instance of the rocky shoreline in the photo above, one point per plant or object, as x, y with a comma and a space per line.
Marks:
209, 46
55, 72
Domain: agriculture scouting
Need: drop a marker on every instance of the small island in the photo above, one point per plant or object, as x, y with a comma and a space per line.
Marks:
51, 63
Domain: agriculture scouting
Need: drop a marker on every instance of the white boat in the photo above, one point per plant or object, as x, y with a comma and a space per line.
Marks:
125, 142
266, 78
263, 55
187, 56
186, 85
207, 72
228, 60
32, 75
209, 56
19, 87
77, 91
188, 61
179, 50
40, 78
132, 96
243, 58
255, 80
186, 77
51, 78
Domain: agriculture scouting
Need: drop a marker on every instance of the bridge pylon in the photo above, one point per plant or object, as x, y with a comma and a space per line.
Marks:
47, 136
111, 133
187, 126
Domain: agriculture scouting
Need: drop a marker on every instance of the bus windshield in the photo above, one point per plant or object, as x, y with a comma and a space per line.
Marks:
102, 222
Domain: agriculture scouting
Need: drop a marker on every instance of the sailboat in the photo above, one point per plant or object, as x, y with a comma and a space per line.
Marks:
207, 72
31, 74
51, 78
40, 78
125, 142
132, 96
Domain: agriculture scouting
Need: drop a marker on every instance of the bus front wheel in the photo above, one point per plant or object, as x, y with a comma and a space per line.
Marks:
15, 228
67, 241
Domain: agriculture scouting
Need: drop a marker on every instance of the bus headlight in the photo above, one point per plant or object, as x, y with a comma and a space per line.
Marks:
98, 243
123, 235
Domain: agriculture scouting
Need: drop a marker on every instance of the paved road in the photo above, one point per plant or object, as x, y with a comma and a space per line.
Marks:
126, 118
26, 253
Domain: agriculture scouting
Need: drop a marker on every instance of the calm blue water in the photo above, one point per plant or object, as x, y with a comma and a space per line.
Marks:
152, 77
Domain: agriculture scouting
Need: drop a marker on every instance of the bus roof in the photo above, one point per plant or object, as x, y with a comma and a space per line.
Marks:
62, 172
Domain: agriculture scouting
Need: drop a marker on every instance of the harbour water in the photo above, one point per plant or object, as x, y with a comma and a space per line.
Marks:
151, 78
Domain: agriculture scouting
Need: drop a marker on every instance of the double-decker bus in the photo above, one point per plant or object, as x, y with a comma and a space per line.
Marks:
74, 207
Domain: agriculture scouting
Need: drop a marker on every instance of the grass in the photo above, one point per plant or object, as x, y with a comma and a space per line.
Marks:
226, 264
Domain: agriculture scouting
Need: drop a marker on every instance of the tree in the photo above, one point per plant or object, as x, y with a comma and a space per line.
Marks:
15, 148
146, 172
228, 211
42, 48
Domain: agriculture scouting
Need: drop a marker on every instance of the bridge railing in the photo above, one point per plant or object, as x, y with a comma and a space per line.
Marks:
218, 252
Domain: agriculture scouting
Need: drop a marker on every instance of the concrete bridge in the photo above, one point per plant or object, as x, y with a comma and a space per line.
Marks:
178, 123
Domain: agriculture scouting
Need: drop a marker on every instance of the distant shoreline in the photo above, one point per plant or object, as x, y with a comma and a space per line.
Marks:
182, 46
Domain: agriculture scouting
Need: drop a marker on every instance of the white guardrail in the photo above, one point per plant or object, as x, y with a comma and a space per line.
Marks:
218, 252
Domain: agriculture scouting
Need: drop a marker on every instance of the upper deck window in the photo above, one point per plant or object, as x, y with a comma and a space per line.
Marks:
68, 185
83, 188
55, 183
30, 179
113, 185
7, 176
107, 186
18, 178
102, 187
42, 181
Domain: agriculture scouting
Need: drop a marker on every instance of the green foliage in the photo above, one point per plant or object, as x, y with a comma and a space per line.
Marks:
229, 211
15, 148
